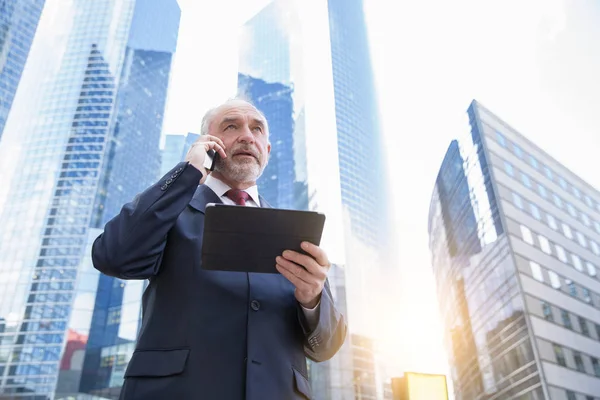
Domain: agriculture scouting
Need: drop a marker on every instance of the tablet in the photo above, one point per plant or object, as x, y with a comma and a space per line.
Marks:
248, 239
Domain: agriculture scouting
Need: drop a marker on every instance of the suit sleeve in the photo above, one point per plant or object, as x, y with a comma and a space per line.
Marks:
324, 341
132, 244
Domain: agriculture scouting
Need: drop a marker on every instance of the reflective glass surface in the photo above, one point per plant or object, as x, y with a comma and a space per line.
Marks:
91, 132
483, 313
18, 23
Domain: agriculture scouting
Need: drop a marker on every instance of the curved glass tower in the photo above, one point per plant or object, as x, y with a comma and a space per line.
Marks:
514, 238
86, 141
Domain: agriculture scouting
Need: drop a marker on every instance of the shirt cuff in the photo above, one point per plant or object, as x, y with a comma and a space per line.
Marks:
312, 315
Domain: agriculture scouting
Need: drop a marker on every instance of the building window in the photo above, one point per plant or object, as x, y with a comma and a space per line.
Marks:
566, 319
578, 361
554, 279
576, 192
542, 191
517, 200
536, 271
597, 226
533, 162
586, 220
525, 179
577, 262
517, 150
596, 366
591, 268
552, 222
581, 239
572, 288
557, 200
588, 201
562, 183
587, 296
567, 230
595, 247
526, 234
544, 244
560, 355
535, 211
571, 395
571, 210
548, 172
501, 139
560, 252
598, 331
547, 310
584, 327
509, 168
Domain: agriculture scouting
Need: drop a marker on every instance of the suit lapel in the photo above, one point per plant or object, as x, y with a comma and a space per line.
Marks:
203, 196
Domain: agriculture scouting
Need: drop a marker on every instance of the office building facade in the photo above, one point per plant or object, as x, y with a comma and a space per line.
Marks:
92, 140
515, 243
175, 149
18, 24
306, 66
418, 386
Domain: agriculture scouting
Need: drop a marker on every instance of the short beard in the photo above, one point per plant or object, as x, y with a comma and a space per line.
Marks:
239, 172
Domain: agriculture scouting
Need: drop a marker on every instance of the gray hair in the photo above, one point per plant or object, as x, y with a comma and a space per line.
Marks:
210, 114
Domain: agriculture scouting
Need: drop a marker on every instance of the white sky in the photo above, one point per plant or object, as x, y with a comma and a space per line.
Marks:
534, 63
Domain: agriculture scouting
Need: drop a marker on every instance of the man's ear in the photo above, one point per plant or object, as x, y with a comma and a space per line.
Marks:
269, 148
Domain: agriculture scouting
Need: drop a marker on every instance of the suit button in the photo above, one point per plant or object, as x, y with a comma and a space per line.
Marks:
255, 305
169, 181
163, 187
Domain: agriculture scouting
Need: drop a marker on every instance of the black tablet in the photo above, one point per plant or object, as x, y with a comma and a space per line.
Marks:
248, 239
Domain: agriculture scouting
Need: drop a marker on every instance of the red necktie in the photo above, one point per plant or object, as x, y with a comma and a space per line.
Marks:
239, 197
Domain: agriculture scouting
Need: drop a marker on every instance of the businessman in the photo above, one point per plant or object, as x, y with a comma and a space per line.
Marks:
217, 335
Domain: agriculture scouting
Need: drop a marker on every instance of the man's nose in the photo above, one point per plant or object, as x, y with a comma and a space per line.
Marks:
246, 135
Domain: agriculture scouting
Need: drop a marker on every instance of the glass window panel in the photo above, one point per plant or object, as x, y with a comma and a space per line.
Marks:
566, 319
518, 151
501, 139
526, 235
554, 279
567, 230
597, 226
552, 222
591, 268
581, 239
572, 288
595, 248
509, 168
571, 210
533, 162
517, 200
542, 191
577, 262
586, 220
544, 244
557, 200
560, 355
584, 326
595, 366
588, 201
587, 296
548, 172
536, 271
535, 211
576, 192
525, 179
578, 361
562, 183
547, 311
560, 252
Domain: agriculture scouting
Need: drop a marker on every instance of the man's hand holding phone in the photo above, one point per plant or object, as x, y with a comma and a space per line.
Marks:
198, 155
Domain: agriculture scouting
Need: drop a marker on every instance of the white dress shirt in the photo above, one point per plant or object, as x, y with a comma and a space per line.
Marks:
220, 188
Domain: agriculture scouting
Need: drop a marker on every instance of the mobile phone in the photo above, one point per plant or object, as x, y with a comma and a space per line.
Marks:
210, 160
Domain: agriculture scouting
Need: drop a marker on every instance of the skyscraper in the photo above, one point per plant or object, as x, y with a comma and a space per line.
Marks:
91, 143
514, 237
18, 23
306, 65
175, 150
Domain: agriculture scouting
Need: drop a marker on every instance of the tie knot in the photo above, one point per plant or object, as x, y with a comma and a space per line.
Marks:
238, 196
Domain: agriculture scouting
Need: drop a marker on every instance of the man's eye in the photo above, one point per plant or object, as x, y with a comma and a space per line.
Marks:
258, 128
230, 126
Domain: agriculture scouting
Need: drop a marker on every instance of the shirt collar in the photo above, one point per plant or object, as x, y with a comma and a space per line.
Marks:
220, 188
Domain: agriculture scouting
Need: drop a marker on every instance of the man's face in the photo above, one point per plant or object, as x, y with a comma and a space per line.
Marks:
243, 131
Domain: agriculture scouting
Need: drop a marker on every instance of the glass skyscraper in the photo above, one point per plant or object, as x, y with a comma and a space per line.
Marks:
306, 66
87, 143
515, 242
18, 23
175, 149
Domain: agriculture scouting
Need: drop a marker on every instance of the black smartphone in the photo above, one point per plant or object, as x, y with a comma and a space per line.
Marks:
210, 160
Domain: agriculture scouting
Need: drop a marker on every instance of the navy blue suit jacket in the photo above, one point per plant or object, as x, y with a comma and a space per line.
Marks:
207, 334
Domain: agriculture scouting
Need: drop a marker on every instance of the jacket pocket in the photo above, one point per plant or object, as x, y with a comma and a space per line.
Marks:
302, 385
157, 363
